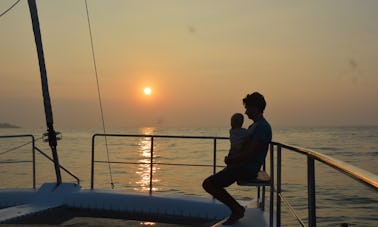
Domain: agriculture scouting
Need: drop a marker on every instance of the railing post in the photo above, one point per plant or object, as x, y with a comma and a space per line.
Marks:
92, 161
151, 162
271, 185
278, 208
311, 192
215, 156
33, 156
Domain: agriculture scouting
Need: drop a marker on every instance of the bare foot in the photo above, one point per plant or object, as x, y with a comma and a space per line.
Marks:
235, 216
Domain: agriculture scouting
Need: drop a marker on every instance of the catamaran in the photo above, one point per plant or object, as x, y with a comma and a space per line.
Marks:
59, 201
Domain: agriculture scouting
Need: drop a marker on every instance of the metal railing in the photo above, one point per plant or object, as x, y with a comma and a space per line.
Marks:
33, 161
32, 142
214, 165
152, 137
362, 176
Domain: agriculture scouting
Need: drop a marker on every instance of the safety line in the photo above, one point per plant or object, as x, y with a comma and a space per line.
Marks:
99, 94
11, 7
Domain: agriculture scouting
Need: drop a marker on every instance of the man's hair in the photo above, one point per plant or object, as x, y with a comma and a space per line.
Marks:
255, 99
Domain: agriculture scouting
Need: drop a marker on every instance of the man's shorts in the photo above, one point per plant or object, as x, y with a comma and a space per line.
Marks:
231, 174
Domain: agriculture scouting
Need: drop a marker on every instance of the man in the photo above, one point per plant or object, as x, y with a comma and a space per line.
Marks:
243, 165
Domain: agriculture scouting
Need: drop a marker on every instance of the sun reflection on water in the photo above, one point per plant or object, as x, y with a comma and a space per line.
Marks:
147, 223
144, 150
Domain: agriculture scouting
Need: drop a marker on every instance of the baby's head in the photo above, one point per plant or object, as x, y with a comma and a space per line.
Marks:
237, 120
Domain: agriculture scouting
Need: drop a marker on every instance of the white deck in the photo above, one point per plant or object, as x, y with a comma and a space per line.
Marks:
31, 202
252, 217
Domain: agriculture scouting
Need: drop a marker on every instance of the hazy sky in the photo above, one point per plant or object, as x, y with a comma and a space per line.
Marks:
316, 62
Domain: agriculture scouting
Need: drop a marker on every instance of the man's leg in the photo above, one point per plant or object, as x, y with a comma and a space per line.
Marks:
214, 186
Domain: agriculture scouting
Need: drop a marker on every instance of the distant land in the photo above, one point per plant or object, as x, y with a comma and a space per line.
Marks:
7, 125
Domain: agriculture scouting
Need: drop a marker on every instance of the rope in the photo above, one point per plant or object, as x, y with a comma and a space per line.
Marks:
99, 94
17, 147
6, 11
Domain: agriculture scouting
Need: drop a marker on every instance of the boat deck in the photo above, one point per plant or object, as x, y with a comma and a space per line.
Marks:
252, 217
68, 201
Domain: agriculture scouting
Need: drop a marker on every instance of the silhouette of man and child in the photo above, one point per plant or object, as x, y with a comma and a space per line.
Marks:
247, 154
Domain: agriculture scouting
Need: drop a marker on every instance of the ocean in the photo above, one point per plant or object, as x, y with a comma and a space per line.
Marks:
340, 199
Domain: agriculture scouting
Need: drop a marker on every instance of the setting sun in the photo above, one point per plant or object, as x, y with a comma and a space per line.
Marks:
147, 91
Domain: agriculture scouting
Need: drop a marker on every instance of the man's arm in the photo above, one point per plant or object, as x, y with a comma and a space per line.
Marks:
248, 153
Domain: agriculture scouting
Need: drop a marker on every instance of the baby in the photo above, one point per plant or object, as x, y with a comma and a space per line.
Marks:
237, 134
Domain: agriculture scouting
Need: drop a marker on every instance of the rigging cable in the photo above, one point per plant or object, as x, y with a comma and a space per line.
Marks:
99, 94
17, 147
6, 11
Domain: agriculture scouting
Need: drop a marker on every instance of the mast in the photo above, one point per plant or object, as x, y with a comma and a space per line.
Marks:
45, 89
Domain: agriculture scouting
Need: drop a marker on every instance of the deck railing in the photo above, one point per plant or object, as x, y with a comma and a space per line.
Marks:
33, 161
32, 142
362, 176
152, 137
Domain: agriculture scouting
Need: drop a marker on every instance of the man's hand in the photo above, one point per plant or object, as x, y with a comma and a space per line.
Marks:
226, 160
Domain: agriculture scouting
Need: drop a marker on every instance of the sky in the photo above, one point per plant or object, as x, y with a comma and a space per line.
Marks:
314, 61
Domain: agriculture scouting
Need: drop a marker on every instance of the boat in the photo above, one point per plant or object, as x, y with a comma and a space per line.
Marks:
69, 200
59, 201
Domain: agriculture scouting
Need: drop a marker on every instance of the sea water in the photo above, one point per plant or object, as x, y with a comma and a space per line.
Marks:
339, 199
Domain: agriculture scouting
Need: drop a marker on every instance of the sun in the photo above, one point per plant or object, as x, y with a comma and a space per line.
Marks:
147, 91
